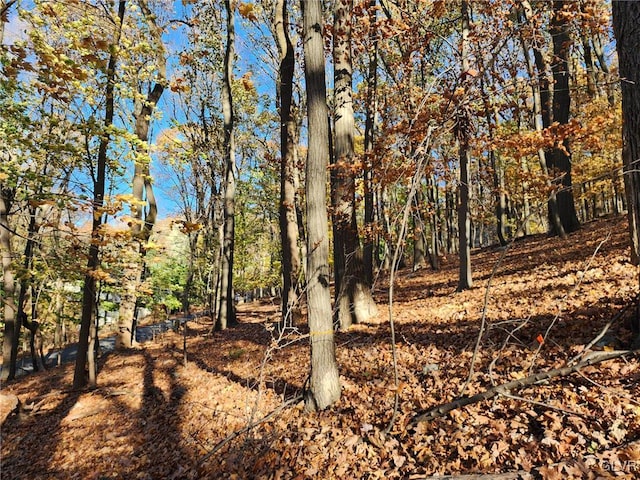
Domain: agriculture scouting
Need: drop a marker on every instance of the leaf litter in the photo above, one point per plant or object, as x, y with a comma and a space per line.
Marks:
153, 417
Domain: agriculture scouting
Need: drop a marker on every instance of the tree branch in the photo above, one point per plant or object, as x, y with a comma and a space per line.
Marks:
591, 359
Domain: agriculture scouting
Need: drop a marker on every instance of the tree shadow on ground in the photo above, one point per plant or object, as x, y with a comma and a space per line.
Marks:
160, 450
23, 437
280, 386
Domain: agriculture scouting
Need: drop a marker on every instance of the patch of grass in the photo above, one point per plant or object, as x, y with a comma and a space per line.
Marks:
236, 353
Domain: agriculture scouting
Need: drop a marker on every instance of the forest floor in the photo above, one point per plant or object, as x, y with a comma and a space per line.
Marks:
153, 417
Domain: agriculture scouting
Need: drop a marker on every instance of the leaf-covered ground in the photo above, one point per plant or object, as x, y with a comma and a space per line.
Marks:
152, 417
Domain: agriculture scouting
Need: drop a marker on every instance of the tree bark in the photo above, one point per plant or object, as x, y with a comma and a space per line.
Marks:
89, 290
463, 126
354, 302
419, 244
142, 221
324, 382
496, 169
287, 208
541, 115
434, 206
559, 158
369, 138
626, 26
226, 310
11, 319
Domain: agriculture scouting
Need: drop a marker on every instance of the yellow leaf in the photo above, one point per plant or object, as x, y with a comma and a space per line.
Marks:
246, 10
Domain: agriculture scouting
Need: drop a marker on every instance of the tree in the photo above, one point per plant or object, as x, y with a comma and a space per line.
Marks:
324, 382
354, 302
142, 220
226, 311
7, 192
11, 325
626, 26
463, 127
537, 69
288, 169
86, 355
559, 158
369, 141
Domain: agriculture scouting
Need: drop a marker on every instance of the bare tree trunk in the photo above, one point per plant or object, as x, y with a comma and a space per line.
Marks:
89, 289
463, 125
324, 382
541, 113
354, 302
10, 313
497, 171
626, 24
602, 63
434, 247
26, 287
287, 209
588, 62
419, 244
11, 319
559, 159
226, 311
369, 136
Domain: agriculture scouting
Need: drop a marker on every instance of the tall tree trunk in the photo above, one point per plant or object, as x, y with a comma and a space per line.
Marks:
324, 381
89, 289
383, 254
369, 136
491, 114
626, 25
26, 286
226, 310
354, 302
588, 63
419, 244
287, 208
559, 158
434, 215
463, 126
11, 318
541, 114
142, 221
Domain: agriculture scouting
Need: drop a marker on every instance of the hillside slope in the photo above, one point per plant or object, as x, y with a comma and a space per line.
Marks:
153, 417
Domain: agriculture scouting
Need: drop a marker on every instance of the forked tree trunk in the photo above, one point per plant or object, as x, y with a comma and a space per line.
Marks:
226, 310
287, 209
142, 222
626, 25
89, 289
354, 302
324, 382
